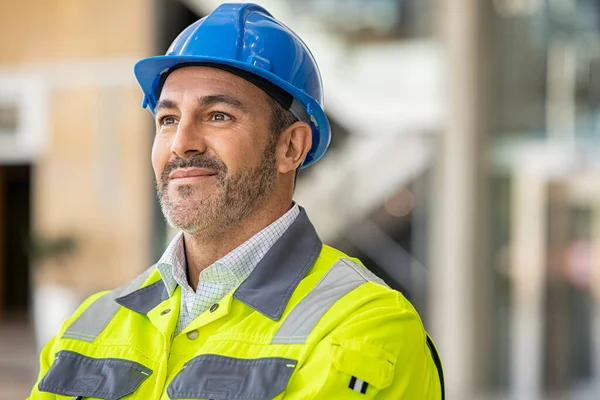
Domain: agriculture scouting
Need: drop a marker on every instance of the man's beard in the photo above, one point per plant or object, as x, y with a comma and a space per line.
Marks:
233, 198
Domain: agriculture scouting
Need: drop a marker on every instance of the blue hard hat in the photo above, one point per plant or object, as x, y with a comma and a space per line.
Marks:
245, 39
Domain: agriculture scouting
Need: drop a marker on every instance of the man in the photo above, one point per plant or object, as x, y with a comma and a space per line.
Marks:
246, 302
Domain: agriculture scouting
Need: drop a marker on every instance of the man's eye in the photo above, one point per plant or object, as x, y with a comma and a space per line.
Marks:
219, 116
167, 120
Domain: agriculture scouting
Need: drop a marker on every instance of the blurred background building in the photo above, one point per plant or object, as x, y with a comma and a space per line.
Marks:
464, 170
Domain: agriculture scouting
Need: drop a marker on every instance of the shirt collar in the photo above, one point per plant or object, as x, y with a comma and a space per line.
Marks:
238, 263
241, 261
172, 264
269, 286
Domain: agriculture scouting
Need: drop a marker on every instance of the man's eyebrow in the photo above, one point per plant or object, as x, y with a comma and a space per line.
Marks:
165, 103
222, 99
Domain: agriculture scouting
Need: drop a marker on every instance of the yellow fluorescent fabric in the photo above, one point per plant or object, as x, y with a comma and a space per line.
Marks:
369, 344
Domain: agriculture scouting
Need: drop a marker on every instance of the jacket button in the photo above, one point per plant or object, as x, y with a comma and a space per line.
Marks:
192, 334
214, 307
165, 312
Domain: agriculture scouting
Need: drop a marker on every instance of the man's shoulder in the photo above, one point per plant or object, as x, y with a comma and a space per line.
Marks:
149, 276
357, 290
339, 267
371, 292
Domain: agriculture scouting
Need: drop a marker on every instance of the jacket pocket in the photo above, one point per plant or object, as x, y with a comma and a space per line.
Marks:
358, 370
73, 374
212, 376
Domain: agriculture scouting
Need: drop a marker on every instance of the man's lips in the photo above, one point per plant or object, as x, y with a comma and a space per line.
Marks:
190, 174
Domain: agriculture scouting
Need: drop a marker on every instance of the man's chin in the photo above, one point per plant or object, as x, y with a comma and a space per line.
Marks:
189, 198
186, 214
186, 224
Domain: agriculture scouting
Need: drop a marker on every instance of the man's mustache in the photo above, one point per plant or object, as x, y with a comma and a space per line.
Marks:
212, 164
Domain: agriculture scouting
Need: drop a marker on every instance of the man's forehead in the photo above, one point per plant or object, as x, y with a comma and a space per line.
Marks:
203, 81
203, 75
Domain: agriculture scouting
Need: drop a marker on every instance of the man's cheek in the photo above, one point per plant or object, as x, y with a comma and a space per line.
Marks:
158, 155
159, 168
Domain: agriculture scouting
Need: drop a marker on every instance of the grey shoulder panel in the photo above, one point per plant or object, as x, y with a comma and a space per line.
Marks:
343, 277
364, 272
94, 319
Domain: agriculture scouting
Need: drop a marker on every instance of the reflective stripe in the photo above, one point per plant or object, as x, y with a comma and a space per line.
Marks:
342, 278
94, 319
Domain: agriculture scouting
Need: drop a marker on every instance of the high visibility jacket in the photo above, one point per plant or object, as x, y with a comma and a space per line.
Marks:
308, 323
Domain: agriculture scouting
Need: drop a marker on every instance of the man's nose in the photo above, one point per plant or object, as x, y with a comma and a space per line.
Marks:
188, 140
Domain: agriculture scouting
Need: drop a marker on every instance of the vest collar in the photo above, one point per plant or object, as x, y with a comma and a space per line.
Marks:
270, 285
146, 298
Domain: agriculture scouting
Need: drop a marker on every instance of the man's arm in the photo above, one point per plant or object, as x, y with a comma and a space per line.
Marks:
379, 352
49, 351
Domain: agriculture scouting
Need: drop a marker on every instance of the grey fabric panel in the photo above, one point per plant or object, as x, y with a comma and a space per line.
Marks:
146, 298
94, 319
271, 284
73, 374
335, 284
211, 376
364, 272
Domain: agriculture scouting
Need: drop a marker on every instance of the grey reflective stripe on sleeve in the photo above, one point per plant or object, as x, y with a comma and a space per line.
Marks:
342, 278
95, 318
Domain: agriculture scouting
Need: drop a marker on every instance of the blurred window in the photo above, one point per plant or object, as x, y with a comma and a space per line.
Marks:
9, 119
373, 20
545, 66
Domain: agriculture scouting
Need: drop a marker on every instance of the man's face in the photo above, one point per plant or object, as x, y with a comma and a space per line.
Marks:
213, 155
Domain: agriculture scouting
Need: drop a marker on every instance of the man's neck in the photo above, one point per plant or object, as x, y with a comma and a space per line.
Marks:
202, 250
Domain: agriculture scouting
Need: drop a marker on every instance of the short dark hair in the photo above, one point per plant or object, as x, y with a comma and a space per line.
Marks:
281, 119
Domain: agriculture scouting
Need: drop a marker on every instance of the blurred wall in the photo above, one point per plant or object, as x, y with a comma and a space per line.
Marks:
91, 182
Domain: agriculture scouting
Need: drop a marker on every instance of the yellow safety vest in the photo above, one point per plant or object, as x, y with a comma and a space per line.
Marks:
308, 323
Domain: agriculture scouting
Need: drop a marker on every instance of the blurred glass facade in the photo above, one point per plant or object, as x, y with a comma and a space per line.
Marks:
544, 118
371, 20
545, 65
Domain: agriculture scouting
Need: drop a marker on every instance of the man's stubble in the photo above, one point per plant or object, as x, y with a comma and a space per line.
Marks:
233, 198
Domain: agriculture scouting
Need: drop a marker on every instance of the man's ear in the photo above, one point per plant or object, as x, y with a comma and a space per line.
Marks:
293, 145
